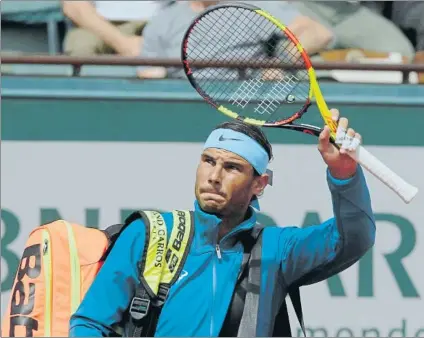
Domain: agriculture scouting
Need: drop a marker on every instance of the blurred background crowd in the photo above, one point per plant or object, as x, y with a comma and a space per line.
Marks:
352, 31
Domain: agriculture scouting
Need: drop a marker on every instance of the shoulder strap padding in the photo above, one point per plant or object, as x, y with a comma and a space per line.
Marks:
152, 261
163, 259
178, 246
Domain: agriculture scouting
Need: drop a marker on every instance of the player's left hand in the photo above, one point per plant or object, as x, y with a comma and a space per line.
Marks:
340, 164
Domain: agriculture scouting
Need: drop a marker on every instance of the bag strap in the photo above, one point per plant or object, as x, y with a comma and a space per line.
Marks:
160, 267
249, 240
148, 285
242, 315
248, 322
297, 305
235, 311
282, 327
112, 233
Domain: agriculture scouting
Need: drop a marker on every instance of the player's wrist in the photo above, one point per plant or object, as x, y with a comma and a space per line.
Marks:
342, 174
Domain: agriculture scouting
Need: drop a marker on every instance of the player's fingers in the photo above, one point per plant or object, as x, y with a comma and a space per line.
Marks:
335, 114
324, 139
343, 122
350, 135
357, 140
341, 130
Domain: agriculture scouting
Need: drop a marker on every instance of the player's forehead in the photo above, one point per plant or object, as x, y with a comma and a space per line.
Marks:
224, 155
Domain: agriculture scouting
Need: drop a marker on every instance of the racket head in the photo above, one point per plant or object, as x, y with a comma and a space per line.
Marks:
242, 33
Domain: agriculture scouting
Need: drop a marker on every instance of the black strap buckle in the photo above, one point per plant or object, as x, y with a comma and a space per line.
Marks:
163, 292
162, 296
139, 308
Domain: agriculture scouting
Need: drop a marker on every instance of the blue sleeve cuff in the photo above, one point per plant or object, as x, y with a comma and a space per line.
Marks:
339, 182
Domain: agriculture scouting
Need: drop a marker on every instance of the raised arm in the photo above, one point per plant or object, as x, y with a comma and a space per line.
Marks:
312, 254
111, 292
85, 15
318, 252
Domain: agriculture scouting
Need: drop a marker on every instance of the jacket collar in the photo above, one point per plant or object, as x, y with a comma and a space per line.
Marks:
207, 225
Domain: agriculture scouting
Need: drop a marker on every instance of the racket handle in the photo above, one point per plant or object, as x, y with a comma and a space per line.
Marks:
405, 190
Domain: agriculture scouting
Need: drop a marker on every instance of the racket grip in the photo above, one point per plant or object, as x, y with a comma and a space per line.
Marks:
404, 190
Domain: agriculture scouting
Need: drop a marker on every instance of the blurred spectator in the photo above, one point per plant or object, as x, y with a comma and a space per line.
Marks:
359, 26
376, 6
165, 31
107, 27
410, 14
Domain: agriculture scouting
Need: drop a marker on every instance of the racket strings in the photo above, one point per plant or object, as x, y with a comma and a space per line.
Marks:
290, 55
227, 42
207, 28
280, 89
241, 35
248, 89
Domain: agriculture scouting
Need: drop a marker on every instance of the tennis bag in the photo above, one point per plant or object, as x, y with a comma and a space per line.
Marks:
61, 260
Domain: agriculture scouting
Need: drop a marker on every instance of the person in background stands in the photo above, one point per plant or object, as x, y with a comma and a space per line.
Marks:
358, 25
107, 27
410, 14
165, 31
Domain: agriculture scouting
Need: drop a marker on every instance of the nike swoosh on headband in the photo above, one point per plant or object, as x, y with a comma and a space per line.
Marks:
222, 138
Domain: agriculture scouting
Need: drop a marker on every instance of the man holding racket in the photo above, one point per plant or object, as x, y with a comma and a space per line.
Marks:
231, 173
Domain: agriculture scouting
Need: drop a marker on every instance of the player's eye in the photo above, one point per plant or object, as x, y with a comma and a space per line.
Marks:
209, 160
233, 167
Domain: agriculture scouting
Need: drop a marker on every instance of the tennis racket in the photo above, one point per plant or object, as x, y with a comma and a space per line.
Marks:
265, 95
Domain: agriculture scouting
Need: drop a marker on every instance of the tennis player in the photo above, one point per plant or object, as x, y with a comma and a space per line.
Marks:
232, 171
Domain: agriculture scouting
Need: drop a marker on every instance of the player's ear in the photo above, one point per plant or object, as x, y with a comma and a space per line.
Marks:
259, 184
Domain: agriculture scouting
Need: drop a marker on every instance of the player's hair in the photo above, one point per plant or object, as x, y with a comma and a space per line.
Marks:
250, 130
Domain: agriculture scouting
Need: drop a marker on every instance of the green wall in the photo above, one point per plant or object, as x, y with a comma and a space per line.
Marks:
77, 109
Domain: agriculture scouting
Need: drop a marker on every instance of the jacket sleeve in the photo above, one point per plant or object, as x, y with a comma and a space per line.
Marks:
317, 252
111, 291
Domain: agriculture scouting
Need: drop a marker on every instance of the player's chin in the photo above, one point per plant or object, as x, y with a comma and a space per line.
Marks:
211, 206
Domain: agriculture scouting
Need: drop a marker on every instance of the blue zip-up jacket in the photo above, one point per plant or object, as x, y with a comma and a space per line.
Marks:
198, 302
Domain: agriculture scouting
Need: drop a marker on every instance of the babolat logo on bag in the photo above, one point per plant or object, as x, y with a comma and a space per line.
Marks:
24, 291
60, 261
179, 240
172, 262
172, 257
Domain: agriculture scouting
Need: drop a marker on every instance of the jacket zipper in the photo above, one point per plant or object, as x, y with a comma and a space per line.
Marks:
214, 285
218, 251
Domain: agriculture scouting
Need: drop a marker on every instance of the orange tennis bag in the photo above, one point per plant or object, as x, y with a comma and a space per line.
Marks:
61, 260
58, 265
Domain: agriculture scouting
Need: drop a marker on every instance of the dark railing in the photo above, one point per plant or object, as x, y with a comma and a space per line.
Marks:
78, 62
